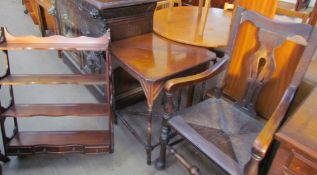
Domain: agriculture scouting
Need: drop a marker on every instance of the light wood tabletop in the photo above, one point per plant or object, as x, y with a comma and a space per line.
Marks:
183, 26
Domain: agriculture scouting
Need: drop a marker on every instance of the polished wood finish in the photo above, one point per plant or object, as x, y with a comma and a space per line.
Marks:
214, 3
21, 143
302, 4
294, 14
125, 18
147, 56
184, 26
204, 12
31, 8
46, 15
153, 60
211, 124
57, 142
313, 17
56, 110
246, 43
54, 42
53, 79
297, 152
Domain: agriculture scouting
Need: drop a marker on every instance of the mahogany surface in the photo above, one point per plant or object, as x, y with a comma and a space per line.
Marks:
89, 142
231, 133
21, 143
52, 79
184, 25
55, 110
9, 42
107, 4
30, 6
47, 19
214, 3
125, 18
152, 60
298, 137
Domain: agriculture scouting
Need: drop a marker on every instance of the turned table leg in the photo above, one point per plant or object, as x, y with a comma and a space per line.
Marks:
149, 136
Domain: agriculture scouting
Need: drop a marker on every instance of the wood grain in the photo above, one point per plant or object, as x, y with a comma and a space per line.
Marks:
90, 142
53, 79
313, 17
57, 110
246, 43
303, 120
184, 25
54, 42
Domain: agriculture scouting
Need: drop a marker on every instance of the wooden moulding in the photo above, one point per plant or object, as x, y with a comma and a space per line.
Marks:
56, 110
54, 42
53, 79
88, 142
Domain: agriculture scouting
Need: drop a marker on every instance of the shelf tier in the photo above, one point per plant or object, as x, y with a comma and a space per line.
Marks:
58, 142
55, 42
56, 110
53, 46
53, 79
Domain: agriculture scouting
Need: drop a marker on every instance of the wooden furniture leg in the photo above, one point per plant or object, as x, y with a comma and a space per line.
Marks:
190, 96
200, 7
4, 158
313, 16
170, 9
148, 146
203, 19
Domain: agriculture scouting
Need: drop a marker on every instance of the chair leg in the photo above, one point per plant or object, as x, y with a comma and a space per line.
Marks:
165, 133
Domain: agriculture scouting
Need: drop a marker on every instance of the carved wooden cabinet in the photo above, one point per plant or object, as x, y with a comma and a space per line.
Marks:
125, 18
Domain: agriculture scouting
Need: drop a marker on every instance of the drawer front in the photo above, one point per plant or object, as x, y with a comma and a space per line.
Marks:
302, 166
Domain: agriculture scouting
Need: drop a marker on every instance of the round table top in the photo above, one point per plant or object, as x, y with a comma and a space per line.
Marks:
184, 24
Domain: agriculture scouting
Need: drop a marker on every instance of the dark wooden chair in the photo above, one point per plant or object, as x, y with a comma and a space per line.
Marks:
229, 133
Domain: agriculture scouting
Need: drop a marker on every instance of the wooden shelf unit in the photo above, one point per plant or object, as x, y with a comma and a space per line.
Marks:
87, 142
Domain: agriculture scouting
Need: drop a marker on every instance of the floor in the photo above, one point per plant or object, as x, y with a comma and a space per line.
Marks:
129, 156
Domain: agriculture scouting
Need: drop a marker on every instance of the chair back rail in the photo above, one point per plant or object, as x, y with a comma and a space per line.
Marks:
262, 62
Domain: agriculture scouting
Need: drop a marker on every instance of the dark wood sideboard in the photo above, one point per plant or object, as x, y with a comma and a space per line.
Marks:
125, 18
297, 153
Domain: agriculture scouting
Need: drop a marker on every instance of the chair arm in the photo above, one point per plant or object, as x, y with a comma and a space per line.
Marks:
174, 84
264, 139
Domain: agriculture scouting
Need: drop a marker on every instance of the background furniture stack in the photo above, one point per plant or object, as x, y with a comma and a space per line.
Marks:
27, 142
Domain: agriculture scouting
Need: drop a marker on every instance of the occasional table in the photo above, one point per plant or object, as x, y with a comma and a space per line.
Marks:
183, 26
153, 60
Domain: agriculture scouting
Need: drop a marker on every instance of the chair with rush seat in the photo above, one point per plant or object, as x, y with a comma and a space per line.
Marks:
231, 133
